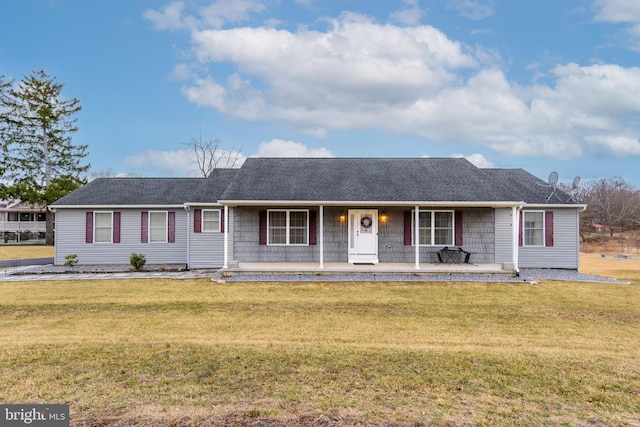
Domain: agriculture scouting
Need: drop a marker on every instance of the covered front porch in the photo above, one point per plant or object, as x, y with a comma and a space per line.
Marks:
380, 239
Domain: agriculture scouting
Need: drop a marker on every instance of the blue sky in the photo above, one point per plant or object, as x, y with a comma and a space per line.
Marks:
542, 85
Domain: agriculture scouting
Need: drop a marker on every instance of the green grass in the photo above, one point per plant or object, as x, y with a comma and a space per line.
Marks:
168, 352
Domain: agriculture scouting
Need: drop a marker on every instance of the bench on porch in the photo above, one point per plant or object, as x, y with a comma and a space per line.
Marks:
453, 255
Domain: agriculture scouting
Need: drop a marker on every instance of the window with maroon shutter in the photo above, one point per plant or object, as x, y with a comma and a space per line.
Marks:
436, 228
548, 228
197, 220
144, 227
408, 226
284, 227
211, 221
222, 221
313, 228
88, 238
262, 224
171, 227
116, 227
520, 228
536, 228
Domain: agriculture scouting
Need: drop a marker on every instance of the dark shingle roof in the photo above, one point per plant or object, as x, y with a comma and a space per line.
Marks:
528, 187
149, 191
325, 180
364, 179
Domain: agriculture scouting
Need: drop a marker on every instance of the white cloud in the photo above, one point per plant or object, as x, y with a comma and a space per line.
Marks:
173, 163
169, 18
178, 163
281, 148
409, 80
618, 11
477, 159
216, 14
410, 14
625, 12
221, 12
472, 9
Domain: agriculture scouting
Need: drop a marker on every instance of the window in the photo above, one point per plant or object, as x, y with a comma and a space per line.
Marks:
436, 228
533, 225
288, 227
157, 227
211, 220
102, 226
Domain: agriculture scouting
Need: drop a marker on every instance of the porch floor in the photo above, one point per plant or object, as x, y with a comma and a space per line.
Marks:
385, 267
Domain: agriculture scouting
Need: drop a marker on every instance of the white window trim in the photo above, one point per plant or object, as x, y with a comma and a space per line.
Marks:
287, 226
95, 222
219, 230
166, 226
433, 228
524, 229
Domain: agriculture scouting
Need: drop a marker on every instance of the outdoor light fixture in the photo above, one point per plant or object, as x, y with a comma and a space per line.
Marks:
384, 217
342, 217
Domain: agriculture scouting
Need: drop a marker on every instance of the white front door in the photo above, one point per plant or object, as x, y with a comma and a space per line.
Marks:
363, 236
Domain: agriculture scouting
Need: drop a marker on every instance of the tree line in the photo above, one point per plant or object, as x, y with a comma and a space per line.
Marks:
611, 202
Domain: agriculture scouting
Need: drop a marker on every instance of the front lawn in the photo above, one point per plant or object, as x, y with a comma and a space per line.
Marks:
165, 352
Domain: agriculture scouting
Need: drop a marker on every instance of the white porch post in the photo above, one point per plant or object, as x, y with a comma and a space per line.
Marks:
416, 235
187, 208
516, 233
321, 220
226, 237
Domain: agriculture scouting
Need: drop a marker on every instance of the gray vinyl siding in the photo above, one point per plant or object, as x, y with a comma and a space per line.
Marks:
207, 248
565, 251
70, 239
504, 235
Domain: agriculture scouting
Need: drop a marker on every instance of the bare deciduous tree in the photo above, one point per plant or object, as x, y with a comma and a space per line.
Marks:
109, 173
210, 155
613, 202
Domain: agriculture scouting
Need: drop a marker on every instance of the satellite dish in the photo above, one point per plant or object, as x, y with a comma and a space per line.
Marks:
576, 181
553, 178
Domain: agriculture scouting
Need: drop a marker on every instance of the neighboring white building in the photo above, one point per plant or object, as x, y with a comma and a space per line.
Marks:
20, 221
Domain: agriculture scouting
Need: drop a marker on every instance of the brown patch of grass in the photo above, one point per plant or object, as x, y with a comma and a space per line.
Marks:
166, 352
9, 252
610, 266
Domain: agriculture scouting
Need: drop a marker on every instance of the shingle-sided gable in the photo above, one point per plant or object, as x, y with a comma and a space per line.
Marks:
362, 179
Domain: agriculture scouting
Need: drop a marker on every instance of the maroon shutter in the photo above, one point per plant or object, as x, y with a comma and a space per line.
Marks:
458, 228
88, 238
263, 227
144, 227
521, 229
548, 228
171, 227
197, 220
313, 228
221, 220
407, 227
116, 227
